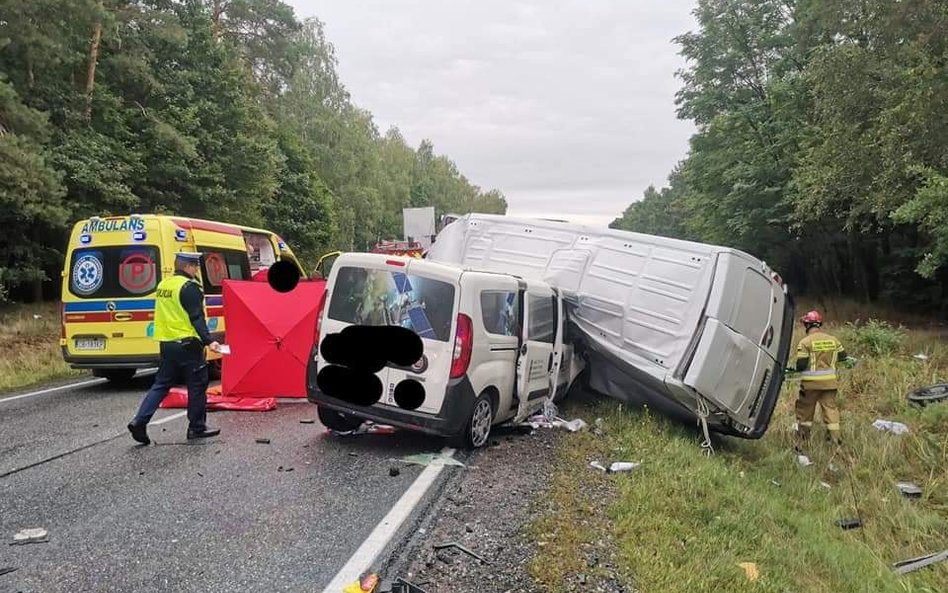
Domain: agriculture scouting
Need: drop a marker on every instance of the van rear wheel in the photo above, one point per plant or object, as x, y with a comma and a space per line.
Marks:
115, 376
337, 421
477, 430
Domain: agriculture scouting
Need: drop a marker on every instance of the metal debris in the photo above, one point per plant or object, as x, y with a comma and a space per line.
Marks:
263, 441
460, 548
909, 489
912, 564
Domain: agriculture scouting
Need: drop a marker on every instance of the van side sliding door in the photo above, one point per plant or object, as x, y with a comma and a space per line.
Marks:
535, 361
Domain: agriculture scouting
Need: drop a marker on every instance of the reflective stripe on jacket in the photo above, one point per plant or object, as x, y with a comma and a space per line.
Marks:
821, 353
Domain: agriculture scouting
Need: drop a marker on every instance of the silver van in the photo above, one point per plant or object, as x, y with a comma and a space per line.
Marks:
692, 329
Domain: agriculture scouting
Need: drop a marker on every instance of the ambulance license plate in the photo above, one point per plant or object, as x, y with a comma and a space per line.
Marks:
90, 343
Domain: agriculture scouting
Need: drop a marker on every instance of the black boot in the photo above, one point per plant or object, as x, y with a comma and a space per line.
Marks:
139, 433
203, 434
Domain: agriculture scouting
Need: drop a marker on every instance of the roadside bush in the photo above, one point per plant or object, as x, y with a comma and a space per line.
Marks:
875, 337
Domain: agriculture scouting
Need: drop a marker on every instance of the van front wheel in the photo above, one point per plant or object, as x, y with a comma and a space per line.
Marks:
477, 431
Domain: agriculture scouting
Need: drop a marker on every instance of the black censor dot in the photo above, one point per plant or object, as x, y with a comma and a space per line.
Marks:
358, 352
283, 276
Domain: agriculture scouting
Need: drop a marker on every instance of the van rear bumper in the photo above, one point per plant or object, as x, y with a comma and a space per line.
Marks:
448, 422
109, 362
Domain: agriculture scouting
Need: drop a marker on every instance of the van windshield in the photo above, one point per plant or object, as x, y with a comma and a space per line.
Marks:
114, 272
363, 296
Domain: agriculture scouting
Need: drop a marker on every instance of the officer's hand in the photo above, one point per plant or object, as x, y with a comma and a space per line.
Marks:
215, 346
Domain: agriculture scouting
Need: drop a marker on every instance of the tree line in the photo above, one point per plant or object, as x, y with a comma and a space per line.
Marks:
224, 109
821, 144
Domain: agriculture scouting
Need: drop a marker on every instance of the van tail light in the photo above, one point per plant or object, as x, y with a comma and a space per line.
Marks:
463, 344
319, 315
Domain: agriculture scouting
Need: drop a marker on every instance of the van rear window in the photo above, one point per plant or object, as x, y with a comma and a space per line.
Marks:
114, 272
364, 296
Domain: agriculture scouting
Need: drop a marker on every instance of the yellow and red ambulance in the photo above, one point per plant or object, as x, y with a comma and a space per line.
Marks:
113, 265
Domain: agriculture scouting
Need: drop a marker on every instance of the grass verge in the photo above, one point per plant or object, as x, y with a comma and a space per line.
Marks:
683, 522
29, 346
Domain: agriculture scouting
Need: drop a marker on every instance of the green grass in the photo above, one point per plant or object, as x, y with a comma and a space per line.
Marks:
29, 346
682, 522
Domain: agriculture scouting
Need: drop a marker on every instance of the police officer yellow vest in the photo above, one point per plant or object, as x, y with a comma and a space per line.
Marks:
171, 320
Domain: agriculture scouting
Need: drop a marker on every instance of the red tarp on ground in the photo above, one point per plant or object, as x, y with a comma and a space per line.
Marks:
178, 398
270, 335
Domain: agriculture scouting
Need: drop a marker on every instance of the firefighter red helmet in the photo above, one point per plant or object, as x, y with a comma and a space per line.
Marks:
812, 318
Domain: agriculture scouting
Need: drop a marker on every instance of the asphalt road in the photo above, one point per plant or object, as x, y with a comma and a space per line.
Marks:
209, 516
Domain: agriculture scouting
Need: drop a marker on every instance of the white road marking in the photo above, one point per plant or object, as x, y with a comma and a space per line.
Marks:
365, 556
52, 389
174, 416
68, 386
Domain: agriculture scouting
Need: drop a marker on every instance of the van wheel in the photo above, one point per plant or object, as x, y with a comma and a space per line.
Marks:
115, 376
337, 421
477, 431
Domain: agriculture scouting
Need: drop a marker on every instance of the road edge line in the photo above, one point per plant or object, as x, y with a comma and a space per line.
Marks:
366, 554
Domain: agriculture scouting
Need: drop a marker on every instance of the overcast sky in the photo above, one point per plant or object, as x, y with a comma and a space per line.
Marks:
567, 106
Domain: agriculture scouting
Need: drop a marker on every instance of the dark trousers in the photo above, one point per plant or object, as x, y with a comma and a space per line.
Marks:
179, 361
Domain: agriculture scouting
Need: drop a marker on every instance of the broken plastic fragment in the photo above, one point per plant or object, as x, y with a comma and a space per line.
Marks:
890, 426
429, 459
909, 490
36, 535
803, 460
597, 465
623, 466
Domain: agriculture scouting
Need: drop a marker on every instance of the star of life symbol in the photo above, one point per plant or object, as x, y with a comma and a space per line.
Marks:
87, 274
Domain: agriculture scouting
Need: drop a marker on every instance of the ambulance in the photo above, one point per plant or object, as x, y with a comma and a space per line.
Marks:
113, 265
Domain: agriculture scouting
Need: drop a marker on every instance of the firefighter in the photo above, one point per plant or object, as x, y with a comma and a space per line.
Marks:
181, 329
818, 356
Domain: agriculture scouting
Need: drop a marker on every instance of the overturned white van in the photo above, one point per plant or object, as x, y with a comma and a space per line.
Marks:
690, 329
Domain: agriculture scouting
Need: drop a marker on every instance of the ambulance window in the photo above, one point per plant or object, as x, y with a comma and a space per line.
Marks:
542, 319
500, 312
222, 264
114, 272
259, 251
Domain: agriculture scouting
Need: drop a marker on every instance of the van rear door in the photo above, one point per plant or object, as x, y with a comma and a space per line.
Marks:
735, 361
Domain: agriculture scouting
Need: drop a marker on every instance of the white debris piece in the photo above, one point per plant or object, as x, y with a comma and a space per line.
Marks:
597, 465
891, 426
921, 356
623, 466
804, 460
31, 536
825, 485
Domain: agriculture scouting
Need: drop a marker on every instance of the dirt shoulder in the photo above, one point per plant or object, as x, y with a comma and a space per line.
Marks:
525, 517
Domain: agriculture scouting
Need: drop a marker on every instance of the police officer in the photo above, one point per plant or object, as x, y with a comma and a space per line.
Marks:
181, 329
817, 358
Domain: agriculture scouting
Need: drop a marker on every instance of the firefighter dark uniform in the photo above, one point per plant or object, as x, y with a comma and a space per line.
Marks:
181, 330
818, 356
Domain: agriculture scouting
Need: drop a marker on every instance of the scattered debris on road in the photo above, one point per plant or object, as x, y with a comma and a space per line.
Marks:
909, 489
597, 465
7, 570
366, 584
913, 564
263, 441
460, 548
429, 459
36, 535
394, 472
890, 426
307, 421
540, 421
400, 586
367, 427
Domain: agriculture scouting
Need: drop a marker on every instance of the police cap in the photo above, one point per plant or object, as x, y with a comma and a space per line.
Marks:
191, 257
